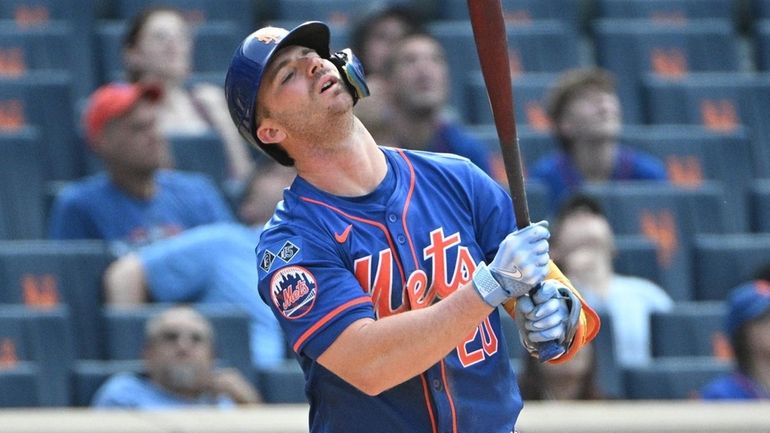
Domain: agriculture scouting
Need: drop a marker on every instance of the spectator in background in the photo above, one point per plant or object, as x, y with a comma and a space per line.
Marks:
179, 369
157, 50
134, 202
417, 77
583, 246
748, 327
586, 115
211, 264
573, 380
372, 37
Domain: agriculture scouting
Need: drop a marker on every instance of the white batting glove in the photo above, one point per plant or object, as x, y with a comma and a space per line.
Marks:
550, 314
522, 259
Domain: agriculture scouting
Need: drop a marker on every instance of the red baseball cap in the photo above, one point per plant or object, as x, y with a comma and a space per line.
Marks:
112, 101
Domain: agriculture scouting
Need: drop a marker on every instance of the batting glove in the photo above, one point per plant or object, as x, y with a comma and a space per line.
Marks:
551, 313
522, 259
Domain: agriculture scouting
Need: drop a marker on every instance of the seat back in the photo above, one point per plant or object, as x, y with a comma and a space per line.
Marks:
242, 13
724, 261
676, 11
517, 12
88, 376
203, 154
530, 90
22, 186
672, 378
689, 329
759, 198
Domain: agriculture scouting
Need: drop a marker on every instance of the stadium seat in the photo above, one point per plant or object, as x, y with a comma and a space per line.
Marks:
637, 255
672, 378
719, 101
44, 99
761, 9
534, 144
669, 216
50, 273
693, 154
724, 261
41, 337
124, 328
242, 13
689, 329
88, 376
337, 12
282, 384
521, 11
633, 48
666, 10
759, 199
22, 187
609, 374
530, 92
204, 154
213, 47
59, 34
538, 46
20, 383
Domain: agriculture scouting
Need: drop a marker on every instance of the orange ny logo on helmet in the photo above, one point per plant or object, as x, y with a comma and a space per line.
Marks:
270, 35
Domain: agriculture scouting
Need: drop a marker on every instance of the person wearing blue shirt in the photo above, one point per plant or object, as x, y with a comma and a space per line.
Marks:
748, 327
586, 116
211, 264
135, 201
417, 77
179, 369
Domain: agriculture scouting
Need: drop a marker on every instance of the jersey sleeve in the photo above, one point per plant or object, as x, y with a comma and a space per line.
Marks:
313, 295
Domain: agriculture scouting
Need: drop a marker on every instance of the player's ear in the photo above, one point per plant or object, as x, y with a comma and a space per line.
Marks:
269, 132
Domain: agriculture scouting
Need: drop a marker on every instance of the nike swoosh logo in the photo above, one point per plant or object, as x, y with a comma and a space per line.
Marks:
341, 238
516, 274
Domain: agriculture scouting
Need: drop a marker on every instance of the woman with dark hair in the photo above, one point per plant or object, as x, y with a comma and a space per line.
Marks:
157, 49
574, 380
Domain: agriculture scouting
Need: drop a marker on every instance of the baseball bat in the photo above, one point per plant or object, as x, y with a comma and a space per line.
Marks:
492, 46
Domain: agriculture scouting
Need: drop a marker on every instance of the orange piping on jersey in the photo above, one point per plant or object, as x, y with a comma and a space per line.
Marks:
370, 222
406, 207
427, 402
449, 396
327, 318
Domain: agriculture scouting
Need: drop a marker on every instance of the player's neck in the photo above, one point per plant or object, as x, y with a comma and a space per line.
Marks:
353, 168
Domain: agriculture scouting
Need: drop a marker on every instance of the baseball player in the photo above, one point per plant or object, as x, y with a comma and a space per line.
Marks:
385, 266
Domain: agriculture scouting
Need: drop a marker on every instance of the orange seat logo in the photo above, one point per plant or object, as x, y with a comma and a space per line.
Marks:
40, 291
684, 171
661, 230
669, 62
12, 62
11, 115
8, 357
719, 115
28, 16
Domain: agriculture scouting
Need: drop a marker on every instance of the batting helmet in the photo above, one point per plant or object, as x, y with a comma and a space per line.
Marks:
251, 59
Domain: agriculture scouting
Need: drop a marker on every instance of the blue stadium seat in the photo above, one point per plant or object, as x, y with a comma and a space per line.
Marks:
204, 154
667, 215
719, 101
530, 91
693, 154
633, 48
538, 46
213, 47
689, 329
759, 198
672, 378
666, 10
44, 99
724, 261
533, 144
88, 376
242, 13
50, 273
609, 374
124, 329
337, 12
20, 384
65, 26
762, 44
282, 384
521, 11
22, 187
43, 338
761, 9
637, 255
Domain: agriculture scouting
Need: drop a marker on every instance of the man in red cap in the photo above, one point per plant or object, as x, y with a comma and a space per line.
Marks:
134, 201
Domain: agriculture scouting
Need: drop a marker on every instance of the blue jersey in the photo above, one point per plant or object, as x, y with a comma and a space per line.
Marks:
326, 261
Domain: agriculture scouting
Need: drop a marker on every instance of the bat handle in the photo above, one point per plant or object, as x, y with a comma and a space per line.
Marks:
547, 350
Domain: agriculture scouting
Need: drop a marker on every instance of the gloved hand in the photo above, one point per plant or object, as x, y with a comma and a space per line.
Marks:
520, 264
522, 259
551, 313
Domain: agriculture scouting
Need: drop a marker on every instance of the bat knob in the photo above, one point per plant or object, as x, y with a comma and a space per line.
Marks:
549, 350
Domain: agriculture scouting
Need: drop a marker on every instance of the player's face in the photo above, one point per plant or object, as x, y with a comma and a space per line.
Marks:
593, 115
134, 142
179, 354
303, 93
420, 75
163, 47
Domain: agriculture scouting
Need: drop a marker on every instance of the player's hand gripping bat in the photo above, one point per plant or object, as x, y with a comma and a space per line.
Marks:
492, 45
